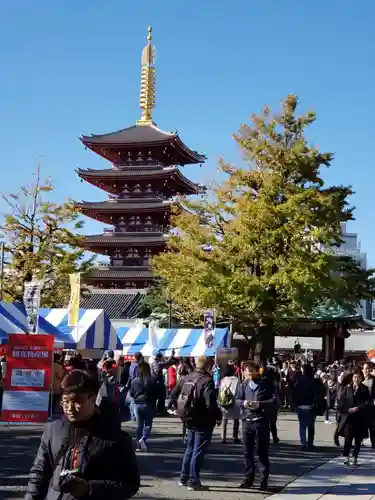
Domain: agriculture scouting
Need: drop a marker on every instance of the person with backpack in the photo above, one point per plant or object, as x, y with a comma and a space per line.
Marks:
229, 391
84, 453
197, 407
184, 369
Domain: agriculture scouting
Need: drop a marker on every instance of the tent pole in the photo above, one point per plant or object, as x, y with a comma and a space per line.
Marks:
169, 314
2, 256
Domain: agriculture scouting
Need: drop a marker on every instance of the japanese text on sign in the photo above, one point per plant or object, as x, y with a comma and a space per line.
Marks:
29, 416
29, 352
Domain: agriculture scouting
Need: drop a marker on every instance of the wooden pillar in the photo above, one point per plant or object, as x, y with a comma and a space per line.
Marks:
326, 345
339, 348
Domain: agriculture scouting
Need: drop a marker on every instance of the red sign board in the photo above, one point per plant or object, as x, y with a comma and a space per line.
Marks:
27, 378
128, 357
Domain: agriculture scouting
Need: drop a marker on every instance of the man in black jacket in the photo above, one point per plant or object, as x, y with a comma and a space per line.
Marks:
369, 382
204, 415
157, 367
258, 400
308, 394
84, 454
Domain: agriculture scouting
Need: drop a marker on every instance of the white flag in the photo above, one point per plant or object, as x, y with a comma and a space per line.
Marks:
153, 335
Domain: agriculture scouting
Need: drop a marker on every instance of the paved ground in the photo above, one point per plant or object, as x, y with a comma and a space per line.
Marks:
335, 481
160, 466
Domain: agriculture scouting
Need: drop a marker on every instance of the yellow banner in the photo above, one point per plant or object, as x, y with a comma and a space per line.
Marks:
73, 309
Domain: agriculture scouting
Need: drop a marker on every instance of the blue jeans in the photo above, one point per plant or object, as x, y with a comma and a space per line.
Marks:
144, 416
306, 424
198, 441
129, 402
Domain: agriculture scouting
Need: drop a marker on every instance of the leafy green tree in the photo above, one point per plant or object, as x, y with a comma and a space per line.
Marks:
260, 247
41, 242
154, 302
157, 305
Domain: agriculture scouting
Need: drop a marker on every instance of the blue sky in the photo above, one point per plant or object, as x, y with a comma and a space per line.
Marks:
73, 67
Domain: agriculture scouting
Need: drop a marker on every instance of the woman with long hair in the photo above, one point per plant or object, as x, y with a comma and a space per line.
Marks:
353, 403
143, 390
184, 368
271, 375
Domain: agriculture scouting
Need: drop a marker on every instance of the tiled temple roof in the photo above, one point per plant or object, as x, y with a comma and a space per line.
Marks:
122, 305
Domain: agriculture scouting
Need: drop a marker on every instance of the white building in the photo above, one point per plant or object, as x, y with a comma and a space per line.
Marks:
351, 246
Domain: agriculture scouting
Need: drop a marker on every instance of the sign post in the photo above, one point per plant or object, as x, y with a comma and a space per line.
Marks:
227, 353
28, 378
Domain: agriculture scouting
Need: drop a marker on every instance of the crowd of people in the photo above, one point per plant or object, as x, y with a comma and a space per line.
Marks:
96, 397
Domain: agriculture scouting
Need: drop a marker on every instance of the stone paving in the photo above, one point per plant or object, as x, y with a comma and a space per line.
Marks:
160, 466
335, 481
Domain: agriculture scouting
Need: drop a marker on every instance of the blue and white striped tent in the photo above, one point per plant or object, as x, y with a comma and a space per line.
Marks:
13, 319
94, 331
185, 341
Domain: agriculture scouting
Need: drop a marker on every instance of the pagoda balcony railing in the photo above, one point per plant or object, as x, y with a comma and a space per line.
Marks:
125, 265
144, 195
136, 194
143, 228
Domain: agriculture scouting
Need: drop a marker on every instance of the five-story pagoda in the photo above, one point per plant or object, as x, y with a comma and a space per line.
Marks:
141, 184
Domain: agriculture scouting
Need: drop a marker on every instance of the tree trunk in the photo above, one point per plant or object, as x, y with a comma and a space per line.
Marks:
264, 343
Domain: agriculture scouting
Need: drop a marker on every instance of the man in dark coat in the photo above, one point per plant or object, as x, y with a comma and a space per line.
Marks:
308, 397
84, 454
258, 400
369, 382
353, 405
157, 367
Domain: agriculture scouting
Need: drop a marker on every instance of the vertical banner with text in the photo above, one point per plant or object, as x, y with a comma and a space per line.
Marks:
209, 320
73, 308
31, 300
28, 378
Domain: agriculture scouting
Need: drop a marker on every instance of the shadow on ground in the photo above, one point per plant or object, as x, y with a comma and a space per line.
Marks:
223, 465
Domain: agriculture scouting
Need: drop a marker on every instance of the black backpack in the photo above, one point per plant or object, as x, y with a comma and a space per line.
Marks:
186, 401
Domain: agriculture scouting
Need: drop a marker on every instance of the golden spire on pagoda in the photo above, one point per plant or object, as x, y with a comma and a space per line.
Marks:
148, 82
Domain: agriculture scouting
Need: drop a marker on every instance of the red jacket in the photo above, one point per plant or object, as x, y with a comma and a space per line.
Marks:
172, 377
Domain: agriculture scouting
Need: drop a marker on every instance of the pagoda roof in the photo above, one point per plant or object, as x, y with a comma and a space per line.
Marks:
126, 238
145, 135
124, 205
126, 173
135, 134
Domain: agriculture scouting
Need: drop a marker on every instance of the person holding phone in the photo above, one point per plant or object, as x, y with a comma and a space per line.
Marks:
83, 454
258, 401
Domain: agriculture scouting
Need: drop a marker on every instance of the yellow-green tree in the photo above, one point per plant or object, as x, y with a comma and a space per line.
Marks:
41, 241
260, 247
